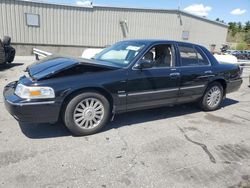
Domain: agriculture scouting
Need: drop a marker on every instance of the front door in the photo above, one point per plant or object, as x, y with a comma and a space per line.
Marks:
156, 86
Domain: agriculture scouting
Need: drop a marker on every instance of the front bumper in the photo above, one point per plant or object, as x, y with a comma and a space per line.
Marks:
30, 111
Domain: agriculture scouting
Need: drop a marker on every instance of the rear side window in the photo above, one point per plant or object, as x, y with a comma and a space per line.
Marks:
192, 57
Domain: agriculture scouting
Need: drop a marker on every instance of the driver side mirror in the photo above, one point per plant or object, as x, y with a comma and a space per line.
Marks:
144, 64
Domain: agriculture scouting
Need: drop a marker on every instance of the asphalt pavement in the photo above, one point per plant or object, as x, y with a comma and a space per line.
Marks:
178, 146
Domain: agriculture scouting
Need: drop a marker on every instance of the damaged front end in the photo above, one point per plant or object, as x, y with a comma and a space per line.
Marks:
53, 67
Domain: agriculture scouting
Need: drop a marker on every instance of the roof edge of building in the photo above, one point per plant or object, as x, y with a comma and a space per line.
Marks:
133, 8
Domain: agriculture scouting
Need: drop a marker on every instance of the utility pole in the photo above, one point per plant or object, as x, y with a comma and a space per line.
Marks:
179, 5
179, 11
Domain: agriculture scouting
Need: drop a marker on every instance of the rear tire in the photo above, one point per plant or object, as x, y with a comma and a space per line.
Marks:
86, 113
212, 97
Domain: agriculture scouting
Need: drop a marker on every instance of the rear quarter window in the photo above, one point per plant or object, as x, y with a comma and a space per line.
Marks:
190, 56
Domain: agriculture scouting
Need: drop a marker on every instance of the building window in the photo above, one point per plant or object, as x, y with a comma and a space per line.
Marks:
185, 35
32, 20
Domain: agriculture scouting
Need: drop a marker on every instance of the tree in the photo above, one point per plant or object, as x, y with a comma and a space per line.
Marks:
247, 37
247, 26
239, 25
241, 46
233, 28
219, 20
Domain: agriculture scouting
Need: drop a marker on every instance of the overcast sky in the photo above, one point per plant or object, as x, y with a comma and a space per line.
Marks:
227, 10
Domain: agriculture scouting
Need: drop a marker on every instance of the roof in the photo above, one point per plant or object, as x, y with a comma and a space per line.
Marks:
152, 41
131, 8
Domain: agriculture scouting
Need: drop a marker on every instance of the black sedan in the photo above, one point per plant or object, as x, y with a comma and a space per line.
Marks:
130, 75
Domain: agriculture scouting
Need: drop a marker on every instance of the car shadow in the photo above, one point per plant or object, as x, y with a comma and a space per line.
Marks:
9, 65
132, 118
42, 131
228, 102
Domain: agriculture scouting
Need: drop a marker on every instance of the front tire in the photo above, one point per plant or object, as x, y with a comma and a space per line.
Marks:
86, 113
212, 97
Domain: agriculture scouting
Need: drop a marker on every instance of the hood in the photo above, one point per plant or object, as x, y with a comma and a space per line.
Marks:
51, 65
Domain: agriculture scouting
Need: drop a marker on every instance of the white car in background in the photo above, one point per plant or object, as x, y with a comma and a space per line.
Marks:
91, 52
227, 58
87, 53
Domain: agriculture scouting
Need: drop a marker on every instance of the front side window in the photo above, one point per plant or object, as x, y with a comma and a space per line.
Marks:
121, 53
191, 57
160, 55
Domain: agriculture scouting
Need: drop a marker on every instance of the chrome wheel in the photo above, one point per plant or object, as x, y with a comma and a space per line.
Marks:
214, 96
88, 113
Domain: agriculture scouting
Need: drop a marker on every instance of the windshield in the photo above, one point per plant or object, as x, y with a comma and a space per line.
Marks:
121, 53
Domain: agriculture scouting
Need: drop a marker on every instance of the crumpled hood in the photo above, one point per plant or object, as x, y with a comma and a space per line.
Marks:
52, 65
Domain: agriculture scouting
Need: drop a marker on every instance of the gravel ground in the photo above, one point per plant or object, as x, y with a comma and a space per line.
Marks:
177, 146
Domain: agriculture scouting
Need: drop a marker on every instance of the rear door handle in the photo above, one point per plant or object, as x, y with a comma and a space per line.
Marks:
174, 74
208, 72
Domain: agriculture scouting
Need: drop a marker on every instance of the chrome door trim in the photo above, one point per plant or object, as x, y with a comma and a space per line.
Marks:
161, 91
152, 92
206, 76
192, 87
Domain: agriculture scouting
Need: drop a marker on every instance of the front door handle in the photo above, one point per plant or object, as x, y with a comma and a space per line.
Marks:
174, 74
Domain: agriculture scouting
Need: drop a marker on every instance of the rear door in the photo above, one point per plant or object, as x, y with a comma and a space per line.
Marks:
196, 71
